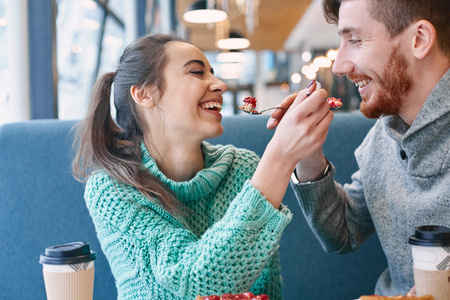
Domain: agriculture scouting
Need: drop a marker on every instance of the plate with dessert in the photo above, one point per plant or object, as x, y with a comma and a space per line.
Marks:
241, 296
399, 297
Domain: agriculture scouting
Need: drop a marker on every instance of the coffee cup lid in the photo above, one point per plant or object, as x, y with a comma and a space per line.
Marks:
431, 235
71, 253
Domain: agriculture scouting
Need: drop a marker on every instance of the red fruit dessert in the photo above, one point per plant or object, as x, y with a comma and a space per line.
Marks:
249, 104
242, 296
334, 102
399, 297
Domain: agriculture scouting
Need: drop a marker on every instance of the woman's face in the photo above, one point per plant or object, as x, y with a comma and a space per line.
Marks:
192, 100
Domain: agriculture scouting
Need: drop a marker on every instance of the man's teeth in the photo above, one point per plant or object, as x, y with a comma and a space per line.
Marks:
362, 83
210, 105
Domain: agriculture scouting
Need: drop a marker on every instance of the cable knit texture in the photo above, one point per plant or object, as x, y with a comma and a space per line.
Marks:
228, 244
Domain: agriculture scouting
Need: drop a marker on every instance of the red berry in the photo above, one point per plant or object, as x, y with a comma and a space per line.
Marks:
334, 102
250, 100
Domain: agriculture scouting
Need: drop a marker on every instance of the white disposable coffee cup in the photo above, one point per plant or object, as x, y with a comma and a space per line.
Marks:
69, 271
431, 259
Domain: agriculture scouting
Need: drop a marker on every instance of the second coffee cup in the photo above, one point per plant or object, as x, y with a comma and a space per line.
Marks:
431, 257
69, 271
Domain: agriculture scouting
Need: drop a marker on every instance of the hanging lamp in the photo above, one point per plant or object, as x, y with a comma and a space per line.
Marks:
234, 41
201, 12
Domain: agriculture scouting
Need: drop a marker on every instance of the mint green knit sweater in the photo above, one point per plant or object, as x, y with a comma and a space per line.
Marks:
227, 245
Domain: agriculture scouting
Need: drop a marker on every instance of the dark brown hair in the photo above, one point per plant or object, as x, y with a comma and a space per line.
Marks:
116, 148
397, 15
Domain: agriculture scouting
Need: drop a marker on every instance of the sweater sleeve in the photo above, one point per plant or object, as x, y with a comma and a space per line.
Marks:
141, 241
338, 216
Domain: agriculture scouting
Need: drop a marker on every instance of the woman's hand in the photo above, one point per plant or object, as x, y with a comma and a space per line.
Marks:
301, 131
278, 114
303, 127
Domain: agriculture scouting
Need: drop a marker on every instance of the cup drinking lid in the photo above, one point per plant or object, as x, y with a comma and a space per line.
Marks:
72, 253
431, 235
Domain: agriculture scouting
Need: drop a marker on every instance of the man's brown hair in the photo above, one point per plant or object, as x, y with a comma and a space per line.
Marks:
397, 15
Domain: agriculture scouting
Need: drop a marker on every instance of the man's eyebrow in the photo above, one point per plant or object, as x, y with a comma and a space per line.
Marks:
347, 30
195, 61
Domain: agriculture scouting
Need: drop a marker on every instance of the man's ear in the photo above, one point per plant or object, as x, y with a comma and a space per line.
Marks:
142, 96
424, 38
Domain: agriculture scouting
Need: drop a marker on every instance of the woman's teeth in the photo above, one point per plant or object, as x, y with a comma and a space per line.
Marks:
212, 105
362, 83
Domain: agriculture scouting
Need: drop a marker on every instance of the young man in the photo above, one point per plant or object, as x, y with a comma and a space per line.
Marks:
398, 54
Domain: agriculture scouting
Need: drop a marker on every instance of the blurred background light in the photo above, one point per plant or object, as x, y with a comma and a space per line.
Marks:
306, 56
91, 24
226, 57
296, 78
89, 4
284, 87
331, 54
77, 48
201, 12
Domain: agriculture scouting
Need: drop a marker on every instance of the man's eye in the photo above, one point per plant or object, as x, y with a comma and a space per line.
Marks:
198, 72
354, 41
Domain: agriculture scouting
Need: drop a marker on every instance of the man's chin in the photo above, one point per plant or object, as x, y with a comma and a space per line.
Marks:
371, 111
376, 110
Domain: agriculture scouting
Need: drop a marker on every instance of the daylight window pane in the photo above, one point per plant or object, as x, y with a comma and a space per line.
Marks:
79, 40
4, 89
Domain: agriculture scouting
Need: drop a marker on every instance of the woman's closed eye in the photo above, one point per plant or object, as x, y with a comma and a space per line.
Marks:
198, 72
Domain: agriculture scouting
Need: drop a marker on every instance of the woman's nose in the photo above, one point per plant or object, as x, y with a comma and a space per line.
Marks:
218, 85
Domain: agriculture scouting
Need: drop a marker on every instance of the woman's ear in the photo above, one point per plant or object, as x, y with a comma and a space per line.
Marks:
424, 38
142, 96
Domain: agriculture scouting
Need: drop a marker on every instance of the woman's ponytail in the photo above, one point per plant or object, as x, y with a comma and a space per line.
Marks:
95, 131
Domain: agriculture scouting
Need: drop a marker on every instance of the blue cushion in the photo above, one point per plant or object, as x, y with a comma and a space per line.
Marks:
41, 205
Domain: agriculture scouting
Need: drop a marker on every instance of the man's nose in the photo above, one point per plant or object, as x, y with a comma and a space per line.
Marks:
342, 64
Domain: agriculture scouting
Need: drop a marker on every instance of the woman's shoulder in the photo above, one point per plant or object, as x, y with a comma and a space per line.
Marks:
98, 184
99, 177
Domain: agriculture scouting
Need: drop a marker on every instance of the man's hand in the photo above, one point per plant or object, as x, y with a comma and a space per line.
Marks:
412, 292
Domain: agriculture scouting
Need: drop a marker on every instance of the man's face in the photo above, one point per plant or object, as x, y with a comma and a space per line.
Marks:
372, 60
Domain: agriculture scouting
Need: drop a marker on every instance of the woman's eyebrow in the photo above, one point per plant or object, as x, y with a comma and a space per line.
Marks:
195, 61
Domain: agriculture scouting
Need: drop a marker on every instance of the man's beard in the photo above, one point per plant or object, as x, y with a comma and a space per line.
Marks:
394, 87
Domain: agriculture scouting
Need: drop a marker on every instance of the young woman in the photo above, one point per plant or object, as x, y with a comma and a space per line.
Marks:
176, 216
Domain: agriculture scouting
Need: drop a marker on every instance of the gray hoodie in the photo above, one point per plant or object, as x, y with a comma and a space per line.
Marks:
403, 182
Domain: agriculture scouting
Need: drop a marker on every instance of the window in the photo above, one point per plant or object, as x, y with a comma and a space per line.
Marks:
4, 90
90, 40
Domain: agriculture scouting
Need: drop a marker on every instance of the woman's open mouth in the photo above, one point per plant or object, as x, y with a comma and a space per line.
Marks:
212, 106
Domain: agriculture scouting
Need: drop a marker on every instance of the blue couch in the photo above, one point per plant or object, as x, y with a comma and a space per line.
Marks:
42, 205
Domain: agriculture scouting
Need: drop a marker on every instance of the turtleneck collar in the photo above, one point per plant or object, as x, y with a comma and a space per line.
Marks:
217, 163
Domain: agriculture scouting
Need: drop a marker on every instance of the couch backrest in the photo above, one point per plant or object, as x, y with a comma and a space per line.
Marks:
42, 205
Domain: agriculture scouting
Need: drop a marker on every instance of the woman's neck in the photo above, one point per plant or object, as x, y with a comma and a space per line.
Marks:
178, 160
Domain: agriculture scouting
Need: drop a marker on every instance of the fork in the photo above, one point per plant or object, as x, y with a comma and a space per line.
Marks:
258, 112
